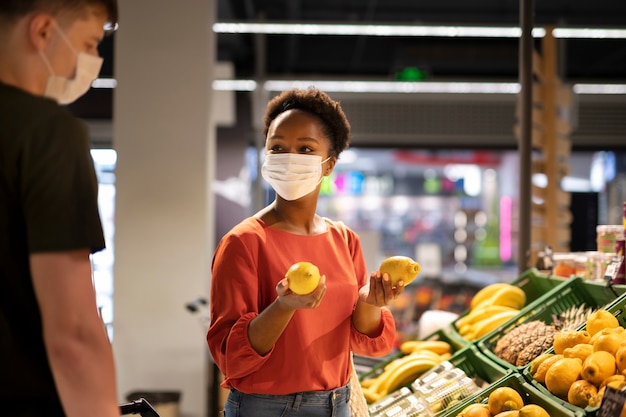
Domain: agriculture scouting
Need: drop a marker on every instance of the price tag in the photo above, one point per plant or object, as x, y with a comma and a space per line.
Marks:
612, 403
611, 271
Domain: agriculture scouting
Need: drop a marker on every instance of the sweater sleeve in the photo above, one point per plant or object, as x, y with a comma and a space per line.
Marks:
233, 304
384, 341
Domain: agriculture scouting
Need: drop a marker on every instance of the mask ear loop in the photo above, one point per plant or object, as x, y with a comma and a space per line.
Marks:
46, 62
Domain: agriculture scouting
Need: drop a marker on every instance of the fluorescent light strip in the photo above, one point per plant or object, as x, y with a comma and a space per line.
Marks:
104, 83
589, 33
411, 30
386, 86
600, 88
234, 85
373, 30
395, 87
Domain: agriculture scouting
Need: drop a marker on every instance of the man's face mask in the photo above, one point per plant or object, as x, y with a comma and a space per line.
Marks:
65, 90
292, 175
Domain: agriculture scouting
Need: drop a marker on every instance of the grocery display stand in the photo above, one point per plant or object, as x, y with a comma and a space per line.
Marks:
572, 292
618, 309
547, 296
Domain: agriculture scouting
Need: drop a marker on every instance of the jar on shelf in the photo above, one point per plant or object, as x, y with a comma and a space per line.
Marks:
607, 235
566, 264
597, 263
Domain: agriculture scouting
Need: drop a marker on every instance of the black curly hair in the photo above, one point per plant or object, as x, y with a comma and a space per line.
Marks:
318, 103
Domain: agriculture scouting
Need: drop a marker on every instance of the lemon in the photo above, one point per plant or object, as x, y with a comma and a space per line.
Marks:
569, 338
562, 374
303, 278
504, 399
598, 366
581, 392
533, 410
400, 268
601, 319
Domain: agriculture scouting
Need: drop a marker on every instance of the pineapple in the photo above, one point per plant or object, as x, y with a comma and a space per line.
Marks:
528, 340
533, 333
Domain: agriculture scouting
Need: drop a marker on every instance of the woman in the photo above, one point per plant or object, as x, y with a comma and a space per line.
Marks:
284, 354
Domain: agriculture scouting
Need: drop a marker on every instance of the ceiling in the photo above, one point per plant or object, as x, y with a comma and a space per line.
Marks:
440, 58
366, 57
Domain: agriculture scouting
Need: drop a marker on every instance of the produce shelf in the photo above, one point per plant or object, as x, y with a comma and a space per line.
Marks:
618, 308
572, 292
529, 393
473, 363
534, 284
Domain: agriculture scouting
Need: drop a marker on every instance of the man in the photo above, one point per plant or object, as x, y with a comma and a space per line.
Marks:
55, 357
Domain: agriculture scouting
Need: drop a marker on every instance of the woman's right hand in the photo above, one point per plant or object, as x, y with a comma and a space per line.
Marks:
289, 299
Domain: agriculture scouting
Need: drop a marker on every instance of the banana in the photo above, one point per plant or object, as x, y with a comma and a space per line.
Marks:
483, 327
366, 383
436, 346
371, 396
480, 313
404, 374
510, 296
486, 293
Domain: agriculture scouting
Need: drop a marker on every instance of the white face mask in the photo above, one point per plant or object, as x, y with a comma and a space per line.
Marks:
292, 175
64, 90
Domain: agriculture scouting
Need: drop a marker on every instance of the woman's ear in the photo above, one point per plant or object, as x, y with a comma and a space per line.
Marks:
330, 165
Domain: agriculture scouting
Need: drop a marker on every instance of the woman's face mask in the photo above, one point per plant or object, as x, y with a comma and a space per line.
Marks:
292, 175
65, 90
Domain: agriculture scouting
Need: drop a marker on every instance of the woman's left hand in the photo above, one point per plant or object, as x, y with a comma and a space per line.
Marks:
379, 291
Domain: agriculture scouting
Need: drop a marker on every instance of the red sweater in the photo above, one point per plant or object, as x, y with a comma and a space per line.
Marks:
313, 353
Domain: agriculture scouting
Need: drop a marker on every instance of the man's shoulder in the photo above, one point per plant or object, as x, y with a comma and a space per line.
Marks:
21, 104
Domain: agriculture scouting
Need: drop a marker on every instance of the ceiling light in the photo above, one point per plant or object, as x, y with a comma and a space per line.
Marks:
104, 83
234, 85
387, 86
395, 86
600, 88
411, 30
589, 33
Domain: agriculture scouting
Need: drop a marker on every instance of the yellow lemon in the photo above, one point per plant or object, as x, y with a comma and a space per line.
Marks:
598, 366
581, 350
476, 410
533, 410
544, 366
569, 338
562, 375
609, 342
613, 378
620, 359
601, 319
504, 399
303, 277
400, 268
581, 392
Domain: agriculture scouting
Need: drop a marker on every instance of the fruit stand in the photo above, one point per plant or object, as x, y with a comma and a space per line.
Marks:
538, 346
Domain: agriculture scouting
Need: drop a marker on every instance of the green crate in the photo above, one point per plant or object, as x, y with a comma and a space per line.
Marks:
378, 367
574, 291
473, 363
532, 282
618, 308
476, 366
529, 394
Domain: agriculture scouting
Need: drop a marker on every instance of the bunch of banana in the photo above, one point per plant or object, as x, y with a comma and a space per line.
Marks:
491, 307
420, 357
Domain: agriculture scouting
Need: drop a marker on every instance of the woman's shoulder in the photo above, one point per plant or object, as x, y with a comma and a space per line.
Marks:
249, 226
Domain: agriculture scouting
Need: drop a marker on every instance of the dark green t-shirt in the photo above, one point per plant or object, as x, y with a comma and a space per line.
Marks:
48, 203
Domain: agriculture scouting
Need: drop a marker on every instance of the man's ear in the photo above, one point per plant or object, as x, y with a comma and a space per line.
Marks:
40, 30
